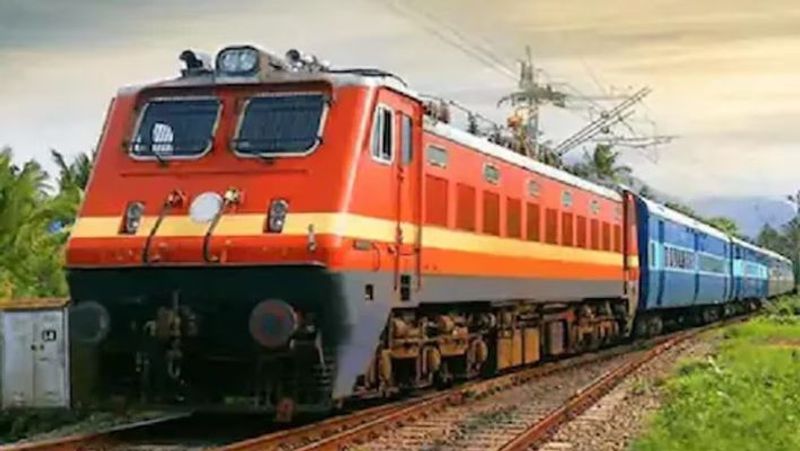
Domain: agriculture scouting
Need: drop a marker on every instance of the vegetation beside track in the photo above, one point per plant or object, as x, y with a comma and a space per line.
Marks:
747, 397
16, 425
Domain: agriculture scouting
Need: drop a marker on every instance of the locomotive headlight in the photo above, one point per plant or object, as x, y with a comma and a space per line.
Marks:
276, 217
205, 207
238, 61
133, 217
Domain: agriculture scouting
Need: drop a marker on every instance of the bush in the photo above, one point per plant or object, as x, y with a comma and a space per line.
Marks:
747, 398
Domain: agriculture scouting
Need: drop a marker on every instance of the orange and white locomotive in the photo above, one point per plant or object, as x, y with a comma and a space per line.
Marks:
269, 231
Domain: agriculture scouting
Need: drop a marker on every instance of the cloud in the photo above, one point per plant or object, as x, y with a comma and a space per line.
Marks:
724, 72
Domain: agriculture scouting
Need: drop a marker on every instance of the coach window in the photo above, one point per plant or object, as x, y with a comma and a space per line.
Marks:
652, 256
382, 145
533, 188
406, 136
436, 156
491, 174
566, 199
595, 207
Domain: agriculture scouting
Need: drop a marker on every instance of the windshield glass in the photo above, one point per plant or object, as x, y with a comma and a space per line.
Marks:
281, 124
175, 128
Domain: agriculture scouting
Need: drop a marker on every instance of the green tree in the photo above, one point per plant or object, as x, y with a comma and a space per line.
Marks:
74, 174
603, 164
725, 224
647, 192
679, 207
772, 239
32, 258
72, 180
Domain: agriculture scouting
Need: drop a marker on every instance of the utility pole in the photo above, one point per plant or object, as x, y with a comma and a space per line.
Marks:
531, 95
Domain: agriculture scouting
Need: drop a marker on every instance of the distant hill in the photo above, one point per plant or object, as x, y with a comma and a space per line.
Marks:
750, 213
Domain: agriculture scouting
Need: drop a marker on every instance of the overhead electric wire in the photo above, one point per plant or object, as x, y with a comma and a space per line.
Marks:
486, 56
413, 16
606, 119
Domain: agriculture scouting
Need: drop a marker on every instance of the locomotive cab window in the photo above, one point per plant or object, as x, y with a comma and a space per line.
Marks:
382, 137
175, 128
406, 136
283, 124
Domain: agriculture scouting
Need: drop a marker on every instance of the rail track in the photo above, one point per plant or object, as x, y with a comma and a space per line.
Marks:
182, 431
507, 413
504, 413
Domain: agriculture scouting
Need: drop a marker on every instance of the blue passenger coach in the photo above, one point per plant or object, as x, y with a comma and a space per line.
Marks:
683, 263
690, 272
759, 273
750, 271
781, 274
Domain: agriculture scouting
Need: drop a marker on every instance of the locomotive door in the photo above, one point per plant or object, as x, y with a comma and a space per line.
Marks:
407, 204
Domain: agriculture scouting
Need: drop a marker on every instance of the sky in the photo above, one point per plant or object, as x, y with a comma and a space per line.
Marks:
725, 74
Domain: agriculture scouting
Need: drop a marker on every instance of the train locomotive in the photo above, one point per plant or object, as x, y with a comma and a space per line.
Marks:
267, 234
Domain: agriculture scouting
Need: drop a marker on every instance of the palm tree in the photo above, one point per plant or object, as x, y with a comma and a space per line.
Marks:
725, 224
602, 164
73, 174
72, 180
31, 260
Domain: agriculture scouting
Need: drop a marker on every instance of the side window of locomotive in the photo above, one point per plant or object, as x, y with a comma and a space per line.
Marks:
436, 156
407, 138
286, 124
175, 128
382, 137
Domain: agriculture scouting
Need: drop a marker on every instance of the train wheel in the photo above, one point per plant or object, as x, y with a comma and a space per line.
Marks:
655, 326
640, 327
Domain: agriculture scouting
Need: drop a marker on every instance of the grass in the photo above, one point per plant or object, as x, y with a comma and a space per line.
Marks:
745, 398
16, 425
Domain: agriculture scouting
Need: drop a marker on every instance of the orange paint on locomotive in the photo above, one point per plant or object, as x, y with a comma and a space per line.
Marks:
339, 177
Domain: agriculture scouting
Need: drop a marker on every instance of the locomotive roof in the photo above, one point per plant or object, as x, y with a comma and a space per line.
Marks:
486, 147
335, 79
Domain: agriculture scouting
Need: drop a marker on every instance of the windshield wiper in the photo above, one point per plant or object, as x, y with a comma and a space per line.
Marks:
161, 161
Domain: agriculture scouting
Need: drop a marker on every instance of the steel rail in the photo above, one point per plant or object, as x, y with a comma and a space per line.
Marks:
592, 393
339, 432
99, 440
